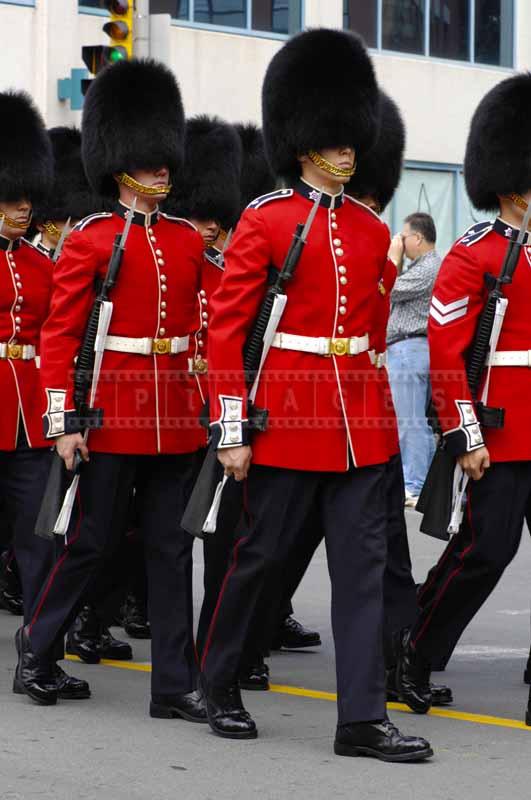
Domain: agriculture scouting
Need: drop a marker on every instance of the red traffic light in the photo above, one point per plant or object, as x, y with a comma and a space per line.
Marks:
116, 30
118, 6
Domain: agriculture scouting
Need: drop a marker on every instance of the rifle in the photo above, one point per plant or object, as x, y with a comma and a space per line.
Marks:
443, 497
56, 509
200, 515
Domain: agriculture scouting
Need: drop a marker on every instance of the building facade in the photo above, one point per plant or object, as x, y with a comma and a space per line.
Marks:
436, 58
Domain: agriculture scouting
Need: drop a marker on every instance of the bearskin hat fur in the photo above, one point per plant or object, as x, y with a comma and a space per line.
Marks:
319, 91
498, 151
25, 151
378, 172
133, 118
256, 177
70, 194
208, 186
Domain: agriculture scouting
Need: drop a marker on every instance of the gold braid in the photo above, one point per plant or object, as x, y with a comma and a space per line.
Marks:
11, 223
323, 163
127, 180
52, 230
519, 201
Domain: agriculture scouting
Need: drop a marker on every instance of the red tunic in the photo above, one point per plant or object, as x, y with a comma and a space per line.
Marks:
324, 412
211, 275
148, 400
459, 296
25, 286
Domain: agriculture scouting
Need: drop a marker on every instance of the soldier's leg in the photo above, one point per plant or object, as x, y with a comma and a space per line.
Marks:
104, 489
352, 507
486, 544
162, 488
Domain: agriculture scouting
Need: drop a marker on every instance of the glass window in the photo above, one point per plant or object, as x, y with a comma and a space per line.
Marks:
178, 9
449, 29
278, 16
431, 191
494, 32
403, 25
362, 18
232, 13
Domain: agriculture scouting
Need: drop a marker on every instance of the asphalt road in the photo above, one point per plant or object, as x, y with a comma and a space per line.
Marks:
108, 747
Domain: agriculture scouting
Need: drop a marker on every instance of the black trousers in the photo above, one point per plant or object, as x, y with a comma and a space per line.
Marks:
163, 484
400, 598
474, 559
351, 510
23, 476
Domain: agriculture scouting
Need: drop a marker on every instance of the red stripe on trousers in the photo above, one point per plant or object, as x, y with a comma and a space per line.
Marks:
452, 575
226, 579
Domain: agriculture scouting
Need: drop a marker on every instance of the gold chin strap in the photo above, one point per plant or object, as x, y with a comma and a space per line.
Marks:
519, 201
52, 230
323, 163
11, 223
140, 188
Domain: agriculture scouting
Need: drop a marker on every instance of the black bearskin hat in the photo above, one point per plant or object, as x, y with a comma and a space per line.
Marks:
319, 91
26, 161
70, 194
208, 186
498, 151
133, 118
257, 178
378, 172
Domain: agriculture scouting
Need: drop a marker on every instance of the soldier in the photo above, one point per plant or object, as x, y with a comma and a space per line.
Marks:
321, 453
26, 170
497, 459
133, 124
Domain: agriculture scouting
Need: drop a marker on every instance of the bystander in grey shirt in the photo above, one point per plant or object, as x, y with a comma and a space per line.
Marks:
410, 298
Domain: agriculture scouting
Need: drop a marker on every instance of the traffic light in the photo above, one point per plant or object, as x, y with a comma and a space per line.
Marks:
119, 29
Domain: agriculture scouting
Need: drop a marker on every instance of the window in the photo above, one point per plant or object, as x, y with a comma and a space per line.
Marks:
403, 25
363, 18
449, 29
478, 31
280, 17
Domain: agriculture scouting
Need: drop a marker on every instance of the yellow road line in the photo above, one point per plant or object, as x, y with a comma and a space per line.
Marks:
464, 716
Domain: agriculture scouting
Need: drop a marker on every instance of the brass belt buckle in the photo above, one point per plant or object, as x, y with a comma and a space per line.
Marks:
339, 347
14, 351
200, 366
161, 347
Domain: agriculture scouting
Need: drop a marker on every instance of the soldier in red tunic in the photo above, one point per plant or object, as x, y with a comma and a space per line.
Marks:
324, 451
133, 126
496, 458
26, 172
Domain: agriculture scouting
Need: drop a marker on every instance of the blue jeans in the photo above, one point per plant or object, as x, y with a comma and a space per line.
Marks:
409, 376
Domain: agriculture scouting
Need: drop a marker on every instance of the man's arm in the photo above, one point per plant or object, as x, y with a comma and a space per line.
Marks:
416, 282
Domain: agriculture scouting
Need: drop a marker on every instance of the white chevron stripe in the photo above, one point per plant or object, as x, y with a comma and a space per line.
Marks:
446, 308
446, 318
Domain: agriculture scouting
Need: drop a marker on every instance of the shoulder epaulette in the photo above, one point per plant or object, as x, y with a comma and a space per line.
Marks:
181, 220
365, 208
280, 194
36, 247
86, 221
475, 233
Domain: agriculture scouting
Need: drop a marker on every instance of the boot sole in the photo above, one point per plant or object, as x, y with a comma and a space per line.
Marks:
158, 711
77, 696
250, 687
316, 643
19, 688
83, 657
120, 657
394, 697
229, 735
358, 750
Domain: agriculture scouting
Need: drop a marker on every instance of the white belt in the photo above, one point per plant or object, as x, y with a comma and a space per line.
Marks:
378, 360
147, 346
25, 352
511, 358
322, 345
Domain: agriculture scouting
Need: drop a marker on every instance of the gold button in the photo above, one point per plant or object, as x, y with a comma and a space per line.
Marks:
343, 281
150, 230
342, 310
19, 285
20, 299
205, 325
202, 292
333, 215
17, 308
163, 304
17, 328
204, 301
17, 276
163, 278
200, 342
337, 242
158, 252
152, 238
163, 314
205, 314
339, 252
164, 288
340, 329
334, 226
342, 270
162, 331
18, 320
160, 261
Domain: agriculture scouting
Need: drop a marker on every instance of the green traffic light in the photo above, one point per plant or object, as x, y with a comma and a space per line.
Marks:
117, 54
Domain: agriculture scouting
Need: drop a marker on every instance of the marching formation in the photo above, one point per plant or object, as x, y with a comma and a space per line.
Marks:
193, 321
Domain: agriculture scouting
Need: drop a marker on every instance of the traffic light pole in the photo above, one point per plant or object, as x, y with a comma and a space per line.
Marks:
141, 29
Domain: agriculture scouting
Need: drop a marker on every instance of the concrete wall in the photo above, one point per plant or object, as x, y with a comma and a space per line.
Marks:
222, 73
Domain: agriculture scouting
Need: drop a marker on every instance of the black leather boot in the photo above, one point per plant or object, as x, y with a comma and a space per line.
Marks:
440, 695
83, 637
34, 674
380, 740
294, 636
68, 687
254, 676
527, 673
112, 648
10, 586
226, 714
135, 621
413, 677
190, 706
